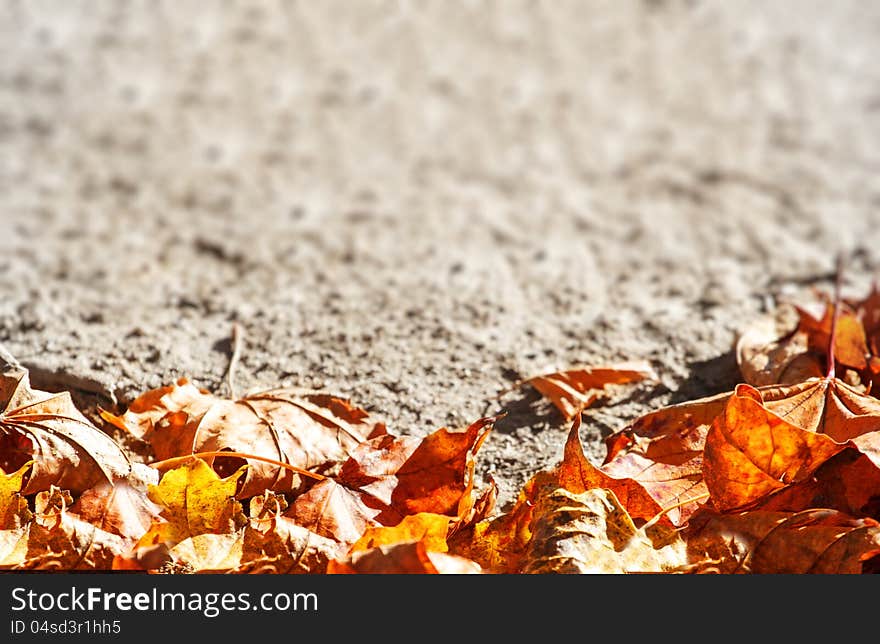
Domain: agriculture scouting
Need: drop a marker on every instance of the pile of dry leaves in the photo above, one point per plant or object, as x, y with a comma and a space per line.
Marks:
781, 475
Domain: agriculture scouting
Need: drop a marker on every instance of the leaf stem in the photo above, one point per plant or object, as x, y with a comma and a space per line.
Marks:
670, 508
835, 317
178, 460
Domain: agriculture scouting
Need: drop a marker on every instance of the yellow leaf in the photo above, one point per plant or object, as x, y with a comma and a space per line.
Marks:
13, 507
195, 500
426, 527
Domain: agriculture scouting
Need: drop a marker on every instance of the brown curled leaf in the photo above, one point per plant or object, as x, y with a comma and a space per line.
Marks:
67, 450
310, 431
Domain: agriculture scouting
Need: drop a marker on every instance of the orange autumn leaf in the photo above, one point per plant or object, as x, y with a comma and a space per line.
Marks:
506, 544
577, 474
309, 431
848, 482
817, 541
792, 344
438, 473
850, 341
499, 544
411, 558
663, 451
673, 434
429, 528
784, 434
573, 390
67, 450
832, 407
122, 509
388, 478
410, 475
752, 452
334, 511
552, 529
774, 350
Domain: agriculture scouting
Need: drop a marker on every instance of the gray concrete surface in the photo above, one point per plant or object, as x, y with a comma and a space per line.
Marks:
414, 204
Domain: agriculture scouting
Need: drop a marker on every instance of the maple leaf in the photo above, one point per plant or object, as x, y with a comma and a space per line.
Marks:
334, 511
793, 343
209, 552
499, 544
403, 558
388, 478
575, 389
66, 449
832, 407
435, 476
751, 452
663, 451
575, 473
305, 430
194, 501
762, 542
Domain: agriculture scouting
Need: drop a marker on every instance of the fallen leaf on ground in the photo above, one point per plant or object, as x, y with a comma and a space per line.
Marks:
790, 345
194, 501
848, 482
389, 478
499, 544
831, 407
752, 452
760, 542
438, 473
334, 511
120, 509
573, 390
66, 449
577, 474
772, 350
503, 544
15, 518
591, 533
314, 432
